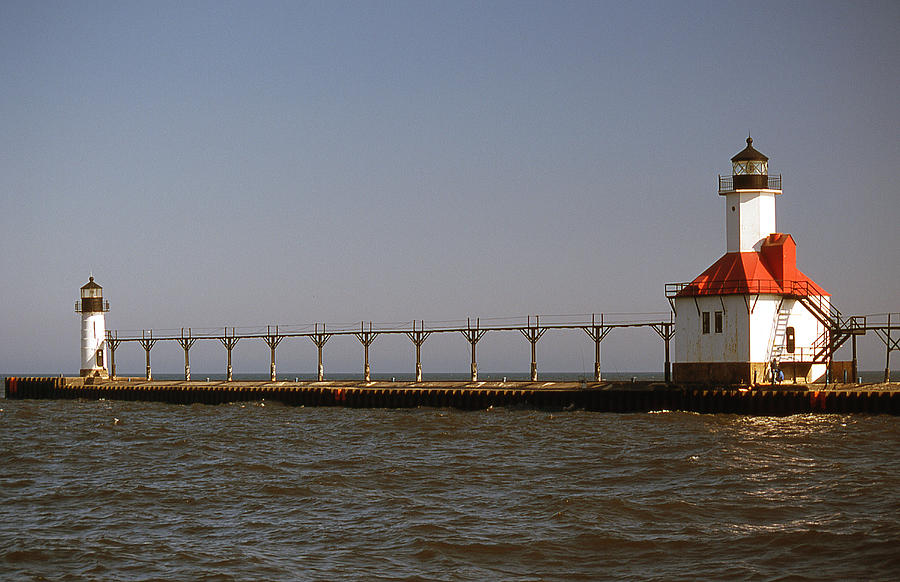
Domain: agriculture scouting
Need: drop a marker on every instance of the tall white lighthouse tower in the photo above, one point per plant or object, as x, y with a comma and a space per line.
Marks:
749, 201
752, 311
93, 330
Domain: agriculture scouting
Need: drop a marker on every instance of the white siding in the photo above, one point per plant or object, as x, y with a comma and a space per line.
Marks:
692, 345
93, 335
749, 330
762, 327
749, 218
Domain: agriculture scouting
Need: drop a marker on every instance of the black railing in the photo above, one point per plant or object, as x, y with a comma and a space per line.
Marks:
753, 286
91, 306
726, 183
795, 289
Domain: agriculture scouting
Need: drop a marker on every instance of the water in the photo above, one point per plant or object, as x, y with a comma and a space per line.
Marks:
148, 491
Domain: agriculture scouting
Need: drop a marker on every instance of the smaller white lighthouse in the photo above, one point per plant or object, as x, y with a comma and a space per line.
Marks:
93, 330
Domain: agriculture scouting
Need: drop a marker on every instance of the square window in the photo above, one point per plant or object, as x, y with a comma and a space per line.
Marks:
719, 319
706, 322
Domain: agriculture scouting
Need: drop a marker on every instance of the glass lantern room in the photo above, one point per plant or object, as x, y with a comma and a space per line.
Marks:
750, 169
91, 290
91, 299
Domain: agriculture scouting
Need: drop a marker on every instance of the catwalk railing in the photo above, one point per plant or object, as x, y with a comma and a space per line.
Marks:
532, 327
726, 183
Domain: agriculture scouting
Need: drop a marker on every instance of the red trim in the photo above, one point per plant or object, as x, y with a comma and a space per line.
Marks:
772, 270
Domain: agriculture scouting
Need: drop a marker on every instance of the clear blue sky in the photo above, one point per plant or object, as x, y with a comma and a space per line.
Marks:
220, 163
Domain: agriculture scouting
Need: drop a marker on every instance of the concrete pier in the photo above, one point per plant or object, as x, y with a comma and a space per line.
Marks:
882, 398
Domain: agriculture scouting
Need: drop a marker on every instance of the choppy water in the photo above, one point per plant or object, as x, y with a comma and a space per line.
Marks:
138, 491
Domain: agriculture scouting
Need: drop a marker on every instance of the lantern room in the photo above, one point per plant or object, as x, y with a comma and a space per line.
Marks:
91, 299
750, 169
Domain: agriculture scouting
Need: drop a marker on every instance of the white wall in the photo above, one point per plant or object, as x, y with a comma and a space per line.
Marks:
745, 337
749, 218
690, 344
763, 317
93, 336
807, 329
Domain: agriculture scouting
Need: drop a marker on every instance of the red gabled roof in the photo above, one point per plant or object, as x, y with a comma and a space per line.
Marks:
772, 270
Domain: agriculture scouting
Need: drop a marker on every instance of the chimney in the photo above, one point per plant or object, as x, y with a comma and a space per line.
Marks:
779, 253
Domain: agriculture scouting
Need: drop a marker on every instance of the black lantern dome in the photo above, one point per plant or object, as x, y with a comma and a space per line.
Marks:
750, 169
91, 299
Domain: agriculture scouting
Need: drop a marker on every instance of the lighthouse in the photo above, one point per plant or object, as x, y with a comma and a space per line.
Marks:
93, 330
752, 313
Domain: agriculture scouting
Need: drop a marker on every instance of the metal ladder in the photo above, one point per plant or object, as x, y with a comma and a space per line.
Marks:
784, 313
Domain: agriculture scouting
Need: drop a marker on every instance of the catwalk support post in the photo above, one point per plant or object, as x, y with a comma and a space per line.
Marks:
666, 331
229, 342
418, 337
113, 341
186, 341
366, 338
147, 342
533, 334
885, 334
320, 338
887, 352
272, 340
597, 333
473, 335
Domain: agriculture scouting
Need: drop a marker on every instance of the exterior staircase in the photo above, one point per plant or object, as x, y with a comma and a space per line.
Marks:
838, 328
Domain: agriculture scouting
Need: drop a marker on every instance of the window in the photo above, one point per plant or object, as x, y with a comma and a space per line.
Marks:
718, 322
706, 322
100, 358
749, 167
789, 341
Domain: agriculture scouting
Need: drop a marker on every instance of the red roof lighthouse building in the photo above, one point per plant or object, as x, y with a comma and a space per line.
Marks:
752, 311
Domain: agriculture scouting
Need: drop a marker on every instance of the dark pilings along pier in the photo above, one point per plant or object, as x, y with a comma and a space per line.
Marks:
881, 398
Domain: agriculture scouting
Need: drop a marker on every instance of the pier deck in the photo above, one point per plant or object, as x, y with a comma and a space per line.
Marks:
881, 398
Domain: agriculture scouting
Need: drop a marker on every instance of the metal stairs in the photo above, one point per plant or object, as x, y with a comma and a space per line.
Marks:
838, 327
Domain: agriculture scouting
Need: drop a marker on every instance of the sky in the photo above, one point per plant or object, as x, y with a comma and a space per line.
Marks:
254, 163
